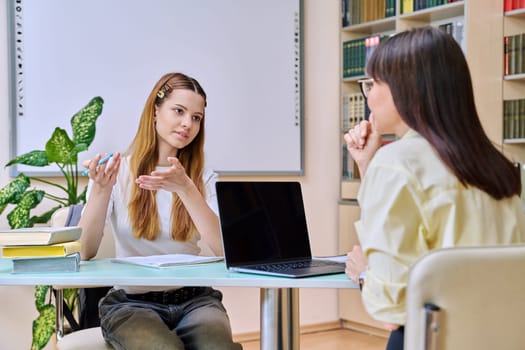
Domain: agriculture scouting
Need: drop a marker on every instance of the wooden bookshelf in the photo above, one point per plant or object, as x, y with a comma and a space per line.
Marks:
514, 86
484, 25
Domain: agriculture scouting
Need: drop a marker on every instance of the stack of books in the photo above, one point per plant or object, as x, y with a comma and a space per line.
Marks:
42, 249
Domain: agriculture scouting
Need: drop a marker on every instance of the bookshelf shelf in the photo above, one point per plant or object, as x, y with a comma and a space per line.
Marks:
368, 28
515, 77
514, 141
513, 92
436, 13
519, 13
353, 79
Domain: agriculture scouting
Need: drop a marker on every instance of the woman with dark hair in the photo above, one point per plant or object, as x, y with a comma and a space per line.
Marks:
159, 199
440, 184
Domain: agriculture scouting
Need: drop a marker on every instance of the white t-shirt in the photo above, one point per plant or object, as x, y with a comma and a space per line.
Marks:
126, 244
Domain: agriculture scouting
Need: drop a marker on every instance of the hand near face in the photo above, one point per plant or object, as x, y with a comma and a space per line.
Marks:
356, 263
173, 179
362, 141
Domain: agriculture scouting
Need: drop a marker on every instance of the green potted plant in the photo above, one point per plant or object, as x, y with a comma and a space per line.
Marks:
63, 151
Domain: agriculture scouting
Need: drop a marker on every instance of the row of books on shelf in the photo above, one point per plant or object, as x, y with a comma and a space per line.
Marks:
349, 168
42, 249
362, 11
513, 47
514, 119
456, 29
356, 53
354, 110
509, 5
408, 6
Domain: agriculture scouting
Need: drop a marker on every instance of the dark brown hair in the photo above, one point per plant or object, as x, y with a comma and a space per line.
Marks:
432, 90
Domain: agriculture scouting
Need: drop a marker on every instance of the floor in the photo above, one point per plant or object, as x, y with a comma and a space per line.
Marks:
334, 339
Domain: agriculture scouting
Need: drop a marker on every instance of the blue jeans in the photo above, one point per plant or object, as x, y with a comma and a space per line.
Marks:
200, 323
396, 340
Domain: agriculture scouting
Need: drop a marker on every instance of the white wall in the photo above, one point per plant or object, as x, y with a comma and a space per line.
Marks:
320, 182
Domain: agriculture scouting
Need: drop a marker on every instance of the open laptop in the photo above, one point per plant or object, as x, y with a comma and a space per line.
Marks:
264, 230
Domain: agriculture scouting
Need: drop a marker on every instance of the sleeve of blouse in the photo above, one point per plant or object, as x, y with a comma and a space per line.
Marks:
391, 234
210, 178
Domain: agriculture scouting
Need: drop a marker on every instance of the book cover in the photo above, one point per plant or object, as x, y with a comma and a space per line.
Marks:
60, 249
39, 235
167, 260
68, 263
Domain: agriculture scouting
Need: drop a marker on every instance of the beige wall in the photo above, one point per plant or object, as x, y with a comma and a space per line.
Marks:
320, 182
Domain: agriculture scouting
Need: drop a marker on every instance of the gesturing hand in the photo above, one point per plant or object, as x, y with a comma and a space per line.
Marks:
173, 179
104, 175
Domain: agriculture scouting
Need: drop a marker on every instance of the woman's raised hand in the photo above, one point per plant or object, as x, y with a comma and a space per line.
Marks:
104, 174
173, 179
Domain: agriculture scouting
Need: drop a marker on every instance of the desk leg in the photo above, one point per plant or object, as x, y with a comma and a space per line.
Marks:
279, 318
59, 296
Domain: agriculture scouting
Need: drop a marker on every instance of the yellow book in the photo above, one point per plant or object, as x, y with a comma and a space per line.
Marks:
24, 251
408, 6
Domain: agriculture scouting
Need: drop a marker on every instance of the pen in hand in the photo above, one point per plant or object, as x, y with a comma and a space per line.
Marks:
85, 172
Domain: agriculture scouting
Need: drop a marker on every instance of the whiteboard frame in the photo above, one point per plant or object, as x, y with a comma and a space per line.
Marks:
17, 99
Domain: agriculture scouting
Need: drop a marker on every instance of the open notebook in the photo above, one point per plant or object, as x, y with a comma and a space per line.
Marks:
264, 230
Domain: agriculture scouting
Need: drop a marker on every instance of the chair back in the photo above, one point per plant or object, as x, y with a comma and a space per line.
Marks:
467, 298
86, 333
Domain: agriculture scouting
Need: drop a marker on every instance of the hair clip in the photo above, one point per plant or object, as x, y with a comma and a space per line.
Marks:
161, 94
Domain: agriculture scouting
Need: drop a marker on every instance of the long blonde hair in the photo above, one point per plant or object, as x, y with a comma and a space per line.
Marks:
143, 151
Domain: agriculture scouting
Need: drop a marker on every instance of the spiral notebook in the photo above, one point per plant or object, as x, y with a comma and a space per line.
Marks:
264, 230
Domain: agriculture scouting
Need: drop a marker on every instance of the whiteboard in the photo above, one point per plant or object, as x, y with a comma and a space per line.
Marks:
245, 53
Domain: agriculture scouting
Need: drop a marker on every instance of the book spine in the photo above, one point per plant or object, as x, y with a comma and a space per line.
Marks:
506, 55
521, 118
344, 13
505, 119
407, 6
507, 5
69, 263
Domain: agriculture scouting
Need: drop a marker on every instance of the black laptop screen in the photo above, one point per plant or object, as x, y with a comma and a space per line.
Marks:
262, 222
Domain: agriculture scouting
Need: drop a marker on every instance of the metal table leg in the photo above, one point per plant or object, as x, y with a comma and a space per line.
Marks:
279, 319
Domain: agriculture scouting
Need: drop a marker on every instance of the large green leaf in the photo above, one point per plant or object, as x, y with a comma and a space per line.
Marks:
45, 217
59, 148
19, 217
83, 123
40, 296
33, 158
71, 298
43, 327
81, 147
13, 191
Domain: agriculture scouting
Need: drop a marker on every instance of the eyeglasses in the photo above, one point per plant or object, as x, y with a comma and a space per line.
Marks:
366, 85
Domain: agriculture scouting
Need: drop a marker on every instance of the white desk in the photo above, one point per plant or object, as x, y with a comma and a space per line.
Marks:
279, 296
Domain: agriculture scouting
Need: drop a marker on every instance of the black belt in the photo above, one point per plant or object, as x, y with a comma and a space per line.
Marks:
177, 296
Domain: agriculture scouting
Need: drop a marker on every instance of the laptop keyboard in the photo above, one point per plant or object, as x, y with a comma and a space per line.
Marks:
294, 265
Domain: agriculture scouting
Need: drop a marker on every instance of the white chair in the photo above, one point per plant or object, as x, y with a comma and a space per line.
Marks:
474, 298
85, 339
